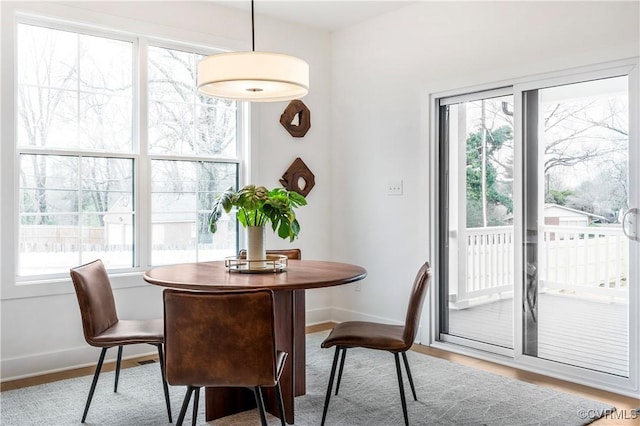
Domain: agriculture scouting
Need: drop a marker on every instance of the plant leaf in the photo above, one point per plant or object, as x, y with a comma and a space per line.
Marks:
242, 217
222, 202
284, 231
295, 227
297, 199
257, 206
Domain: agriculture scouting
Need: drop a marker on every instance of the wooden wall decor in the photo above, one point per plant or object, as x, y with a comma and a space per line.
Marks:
296, 108
298, 178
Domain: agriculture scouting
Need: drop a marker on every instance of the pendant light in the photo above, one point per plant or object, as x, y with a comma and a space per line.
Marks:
253, 76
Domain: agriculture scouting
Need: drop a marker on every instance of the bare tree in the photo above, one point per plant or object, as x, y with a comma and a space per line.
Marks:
591, 134
39, 104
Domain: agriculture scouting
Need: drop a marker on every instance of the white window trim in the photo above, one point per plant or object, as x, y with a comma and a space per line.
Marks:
74, 19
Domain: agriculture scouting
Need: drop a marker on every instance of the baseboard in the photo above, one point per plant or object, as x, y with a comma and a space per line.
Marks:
318, 316
336, 315
88, 368
68, 359
84, 356
342, 315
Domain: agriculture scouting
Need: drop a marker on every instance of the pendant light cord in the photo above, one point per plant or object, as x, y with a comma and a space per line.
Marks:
253, 31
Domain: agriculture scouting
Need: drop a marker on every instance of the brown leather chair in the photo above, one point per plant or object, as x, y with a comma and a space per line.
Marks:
103, 329
294, 254
222, 339
299, 308
396, 339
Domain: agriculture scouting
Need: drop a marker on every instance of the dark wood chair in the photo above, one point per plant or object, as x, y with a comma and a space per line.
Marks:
294, 254
396, 339
222, 339
102, 327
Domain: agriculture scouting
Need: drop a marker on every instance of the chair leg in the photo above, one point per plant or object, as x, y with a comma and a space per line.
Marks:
260, 404
118, 362
406, 367
185, 404
94, 383
402, 399
331, 377
344, 355
196, 399
164, 382
280, 404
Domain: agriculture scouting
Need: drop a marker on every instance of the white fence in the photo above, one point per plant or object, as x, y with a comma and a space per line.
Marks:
489, 261
592, 259
574, 259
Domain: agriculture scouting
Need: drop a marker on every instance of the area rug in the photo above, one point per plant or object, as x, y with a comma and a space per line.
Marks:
448, 394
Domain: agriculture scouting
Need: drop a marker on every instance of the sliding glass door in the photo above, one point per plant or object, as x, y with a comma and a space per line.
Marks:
538, 253
477, 149
577, 193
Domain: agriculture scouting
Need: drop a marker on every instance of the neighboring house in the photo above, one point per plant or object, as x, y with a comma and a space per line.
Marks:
566, 216
118, 223
557, 215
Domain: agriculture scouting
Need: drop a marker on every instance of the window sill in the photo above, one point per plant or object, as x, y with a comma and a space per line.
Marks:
63, 285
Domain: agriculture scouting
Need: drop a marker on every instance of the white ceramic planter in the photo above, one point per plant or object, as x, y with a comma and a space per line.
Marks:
255, 246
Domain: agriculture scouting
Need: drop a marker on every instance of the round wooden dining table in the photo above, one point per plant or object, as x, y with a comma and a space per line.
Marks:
289, 287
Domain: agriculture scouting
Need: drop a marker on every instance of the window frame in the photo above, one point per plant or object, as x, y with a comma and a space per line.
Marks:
14, 286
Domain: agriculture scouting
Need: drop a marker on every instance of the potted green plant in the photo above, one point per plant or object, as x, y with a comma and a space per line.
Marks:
256, 207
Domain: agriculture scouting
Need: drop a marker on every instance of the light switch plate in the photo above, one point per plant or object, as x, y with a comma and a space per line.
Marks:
394, 187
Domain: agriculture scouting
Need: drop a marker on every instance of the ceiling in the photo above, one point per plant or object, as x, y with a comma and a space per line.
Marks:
324, 14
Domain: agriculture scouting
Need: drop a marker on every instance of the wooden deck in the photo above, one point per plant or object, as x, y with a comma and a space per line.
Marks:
581, 332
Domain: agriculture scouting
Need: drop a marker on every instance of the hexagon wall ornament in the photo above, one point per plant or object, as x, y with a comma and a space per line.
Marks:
298, 178
296, 118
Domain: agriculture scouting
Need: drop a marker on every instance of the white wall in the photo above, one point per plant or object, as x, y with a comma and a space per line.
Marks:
44, 333
382, 73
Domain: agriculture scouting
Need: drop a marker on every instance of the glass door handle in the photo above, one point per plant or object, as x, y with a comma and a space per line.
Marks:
630, 224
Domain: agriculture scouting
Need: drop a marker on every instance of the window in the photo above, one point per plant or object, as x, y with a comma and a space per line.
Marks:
184, 124
117, 161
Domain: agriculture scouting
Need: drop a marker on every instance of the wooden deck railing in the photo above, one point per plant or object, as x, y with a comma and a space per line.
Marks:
582, 259
489, 261
591, 259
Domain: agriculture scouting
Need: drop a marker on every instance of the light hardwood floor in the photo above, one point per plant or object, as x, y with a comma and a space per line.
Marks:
625, 405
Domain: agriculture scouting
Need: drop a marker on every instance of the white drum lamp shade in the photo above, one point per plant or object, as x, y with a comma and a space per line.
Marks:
253, 76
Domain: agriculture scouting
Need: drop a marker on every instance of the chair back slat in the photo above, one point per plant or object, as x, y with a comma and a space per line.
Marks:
293, 254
